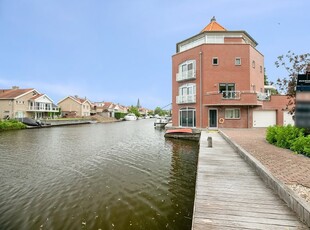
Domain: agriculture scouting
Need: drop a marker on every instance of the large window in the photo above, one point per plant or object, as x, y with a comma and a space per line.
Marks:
187, 70
187, 93
187, 117
187, 89
232, 113
228, 90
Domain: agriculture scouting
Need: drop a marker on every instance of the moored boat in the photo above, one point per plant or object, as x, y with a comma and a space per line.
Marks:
160, 122
130, 117
185, 133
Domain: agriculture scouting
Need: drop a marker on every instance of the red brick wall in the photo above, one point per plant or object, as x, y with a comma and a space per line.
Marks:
225, 72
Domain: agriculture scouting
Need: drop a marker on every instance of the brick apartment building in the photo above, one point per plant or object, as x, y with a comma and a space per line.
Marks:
218, 81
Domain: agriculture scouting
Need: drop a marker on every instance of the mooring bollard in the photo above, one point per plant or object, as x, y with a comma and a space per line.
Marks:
210, 142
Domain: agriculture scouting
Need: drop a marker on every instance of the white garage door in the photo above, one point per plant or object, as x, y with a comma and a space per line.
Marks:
288, 118
264, 118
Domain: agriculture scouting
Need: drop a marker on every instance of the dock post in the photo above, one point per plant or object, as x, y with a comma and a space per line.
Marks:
209, 142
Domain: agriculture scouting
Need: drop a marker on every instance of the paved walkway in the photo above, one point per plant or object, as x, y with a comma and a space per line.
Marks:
285, 166
229, 194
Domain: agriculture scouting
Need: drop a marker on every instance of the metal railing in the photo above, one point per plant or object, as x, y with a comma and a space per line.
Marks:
190, 74
186, 99
263, 96
43, 109
231, 94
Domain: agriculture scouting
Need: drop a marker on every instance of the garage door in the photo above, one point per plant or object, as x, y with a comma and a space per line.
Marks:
288, 118
264, 118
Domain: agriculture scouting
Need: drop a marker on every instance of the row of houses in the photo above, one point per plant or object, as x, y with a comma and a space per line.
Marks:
21, 103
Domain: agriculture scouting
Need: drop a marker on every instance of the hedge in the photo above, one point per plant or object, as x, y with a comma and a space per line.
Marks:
119, 115
289, 137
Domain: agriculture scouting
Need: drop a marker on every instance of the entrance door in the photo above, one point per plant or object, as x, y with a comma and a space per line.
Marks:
213, 118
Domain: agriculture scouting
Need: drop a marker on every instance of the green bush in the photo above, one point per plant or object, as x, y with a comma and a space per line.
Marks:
286, 135
271, 134
11, 124
119, 115
289, 137
302, 145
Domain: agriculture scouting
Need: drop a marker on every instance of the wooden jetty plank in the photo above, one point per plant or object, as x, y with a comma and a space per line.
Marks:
230, 195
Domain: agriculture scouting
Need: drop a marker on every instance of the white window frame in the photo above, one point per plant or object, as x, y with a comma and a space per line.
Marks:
184, 72
188, 87
234, 113
217, 60
238, 61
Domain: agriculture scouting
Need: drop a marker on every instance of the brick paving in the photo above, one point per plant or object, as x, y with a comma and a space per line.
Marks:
286, 166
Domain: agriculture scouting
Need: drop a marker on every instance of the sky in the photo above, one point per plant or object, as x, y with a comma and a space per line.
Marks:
121, 50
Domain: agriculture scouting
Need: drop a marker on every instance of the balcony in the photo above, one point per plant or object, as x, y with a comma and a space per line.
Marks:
186, 75
233, 98
42, 109
186, 99
231, 94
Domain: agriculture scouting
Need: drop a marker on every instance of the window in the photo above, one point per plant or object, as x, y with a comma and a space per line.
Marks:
215, 61
187, 70
261, 69
187, 94
238, 61
187, 117
232, 113
253, 64
188, 89
228, 90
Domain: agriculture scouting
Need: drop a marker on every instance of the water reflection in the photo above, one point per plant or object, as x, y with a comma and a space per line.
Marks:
110, 176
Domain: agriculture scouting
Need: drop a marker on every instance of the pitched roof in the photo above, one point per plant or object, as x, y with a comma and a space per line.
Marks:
107, 105
13, 93
213, 26
36, 96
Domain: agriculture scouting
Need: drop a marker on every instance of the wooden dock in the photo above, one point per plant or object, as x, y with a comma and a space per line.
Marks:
229, 194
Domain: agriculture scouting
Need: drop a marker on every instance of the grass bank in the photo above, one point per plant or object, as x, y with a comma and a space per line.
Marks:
11, 125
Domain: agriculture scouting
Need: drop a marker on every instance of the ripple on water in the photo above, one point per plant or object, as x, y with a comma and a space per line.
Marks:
110, 176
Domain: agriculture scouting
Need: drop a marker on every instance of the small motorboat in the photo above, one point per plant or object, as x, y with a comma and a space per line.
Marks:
160, 122
186, 134
130, 117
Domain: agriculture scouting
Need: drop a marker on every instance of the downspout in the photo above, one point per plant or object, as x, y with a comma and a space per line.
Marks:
200, 87
248, 118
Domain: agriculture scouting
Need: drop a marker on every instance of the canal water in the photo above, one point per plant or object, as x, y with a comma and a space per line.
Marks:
121, 175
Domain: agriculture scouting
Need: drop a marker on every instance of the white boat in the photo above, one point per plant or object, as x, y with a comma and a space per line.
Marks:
130, 117
160, 122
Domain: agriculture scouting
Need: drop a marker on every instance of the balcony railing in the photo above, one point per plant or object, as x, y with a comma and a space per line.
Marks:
232, 98
186, 99
231, 94
263, 96
43, 109
186, 75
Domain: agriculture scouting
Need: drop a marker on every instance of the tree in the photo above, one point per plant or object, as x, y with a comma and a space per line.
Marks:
266, 82
294, 64
134, 110
160, 111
